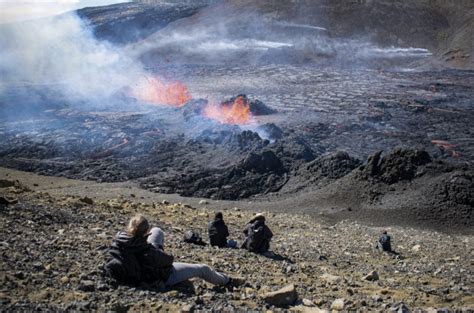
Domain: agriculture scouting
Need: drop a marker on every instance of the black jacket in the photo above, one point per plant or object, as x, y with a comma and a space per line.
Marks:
264, 244
134, 260
218, 233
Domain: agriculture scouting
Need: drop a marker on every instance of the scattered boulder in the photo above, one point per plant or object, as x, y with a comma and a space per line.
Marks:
372, 276
282, 297
338, 304
331, 278
399, 308
86, 285
86, 200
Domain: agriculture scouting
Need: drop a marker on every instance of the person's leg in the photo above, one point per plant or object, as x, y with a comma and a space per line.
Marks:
156, 237
185, 271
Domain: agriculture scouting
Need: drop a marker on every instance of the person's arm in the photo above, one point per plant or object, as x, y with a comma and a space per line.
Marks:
163, 259
246, 229
226, 231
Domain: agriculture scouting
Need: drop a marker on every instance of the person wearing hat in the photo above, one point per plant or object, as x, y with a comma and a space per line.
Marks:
137, 256
258, 235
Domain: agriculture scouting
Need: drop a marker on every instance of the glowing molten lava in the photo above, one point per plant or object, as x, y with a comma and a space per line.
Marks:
159, 91
236, 112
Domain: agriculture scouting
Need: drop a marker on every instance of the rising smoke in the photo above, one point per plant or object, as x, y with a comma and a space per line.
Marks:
61, 55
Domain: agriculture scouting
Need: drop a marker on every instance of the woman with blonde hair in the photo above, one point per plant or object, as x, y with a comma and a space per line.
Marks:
137, 255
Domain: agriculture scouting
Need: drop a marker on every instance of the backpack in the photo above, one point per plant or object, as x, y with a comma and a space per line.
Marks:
256, 237
194, 238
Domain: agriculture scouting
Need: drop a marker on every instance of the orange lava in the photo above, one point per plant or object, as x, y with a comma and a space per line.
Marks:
237, 112
158, 91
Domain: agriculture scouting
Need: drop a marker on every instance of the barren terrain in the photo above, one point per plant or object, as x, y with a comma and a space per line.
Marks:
54, 238
338, 121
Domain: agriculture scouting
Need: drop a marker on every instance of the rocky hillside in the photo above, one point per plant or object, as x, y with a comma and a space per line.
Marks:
52, 248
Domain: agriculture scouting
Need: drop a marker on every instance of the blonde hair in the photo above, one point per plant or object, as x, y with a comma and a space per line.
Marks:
138, 226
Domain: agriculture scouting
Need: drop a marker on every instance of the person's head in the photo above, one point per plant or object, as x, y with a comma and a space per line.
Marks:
219, 216
138, 226
258, 217
384, 232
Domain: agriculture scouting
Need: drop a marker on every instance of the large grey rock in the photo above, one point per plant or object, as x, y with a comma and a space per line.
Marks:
284, 296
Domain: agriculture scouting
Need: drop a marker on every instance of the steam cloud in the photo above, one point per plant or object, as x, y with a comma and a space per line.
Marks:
61, 54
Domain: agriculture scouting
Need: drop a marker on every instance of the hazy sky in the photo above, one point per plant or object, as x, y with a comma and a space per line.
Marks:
20, 10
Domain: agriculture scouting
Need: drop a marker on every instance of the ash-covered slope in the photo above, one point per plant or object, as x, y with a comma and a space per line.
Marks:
53, 246
263, 31
128, 22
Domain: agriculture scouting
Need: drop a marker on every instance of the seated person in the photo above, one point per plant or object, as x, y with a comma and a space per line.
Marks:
258, 235
384, 243
218, 232
137, 255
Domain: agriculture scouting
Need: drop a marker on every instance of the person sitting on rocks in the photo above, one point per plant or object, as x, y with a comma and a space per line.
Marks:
218, 232
258, 235
384, 243
137, 256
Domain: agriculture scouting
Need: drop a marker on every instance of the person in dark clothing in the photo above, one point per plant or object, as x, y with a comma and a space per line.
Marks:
218, 231
384, 242
137, 256
258, 235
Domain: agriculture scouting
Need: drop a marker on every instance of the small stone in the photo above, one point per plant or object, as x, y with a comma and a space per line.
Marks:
330, 278
38, 266
64, 279
400, 308
19, 275
307, 302
165, 202
172, 293
86, 285
203, 202
188, 308
284, 296
372, 276
102, 287
338, 304
416, 248
86, 200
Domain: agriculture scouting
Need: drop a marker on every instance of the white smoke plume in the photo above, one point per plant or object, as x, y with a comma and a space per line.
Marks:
62, 54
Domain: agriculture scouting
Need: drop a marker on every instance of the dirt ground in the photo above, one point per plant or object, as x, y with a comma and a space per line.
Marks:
54, 238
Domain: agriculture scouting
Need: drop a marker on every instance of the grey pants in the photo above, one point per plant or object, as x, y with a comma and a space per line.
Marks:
185, 271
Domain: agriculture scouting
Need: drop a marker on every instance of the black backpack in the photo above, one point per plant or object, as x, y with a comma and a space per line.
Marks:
256, 237
194, 238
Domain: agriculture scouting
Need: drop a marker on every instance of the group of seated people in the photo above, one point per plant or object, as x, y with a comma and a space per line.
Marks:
137, 255
257, 234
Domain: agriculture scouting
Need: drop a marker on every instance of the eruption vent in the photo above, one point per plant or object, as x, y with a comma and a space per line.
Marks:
158, 91
231, 112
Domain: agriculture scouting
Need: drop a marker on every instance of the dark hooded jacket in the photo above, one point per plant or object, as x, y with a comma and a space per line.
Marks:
264, 243
218, 232
133, 260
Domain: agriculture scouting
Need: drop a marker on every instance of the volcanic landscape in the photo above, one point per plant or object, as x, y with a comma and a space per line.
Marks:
331, 127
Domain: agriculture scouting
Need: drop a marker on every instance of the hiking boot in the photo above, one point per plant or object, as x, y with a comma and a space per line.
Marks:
236, 281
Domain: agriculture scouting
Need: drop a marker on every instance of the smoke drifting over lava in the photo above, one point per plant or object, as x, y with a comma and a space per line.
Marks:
61, 54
